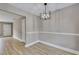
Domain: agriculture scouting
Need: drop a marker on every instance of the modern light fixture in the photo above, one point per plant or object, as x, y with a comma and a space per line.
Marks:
46, 14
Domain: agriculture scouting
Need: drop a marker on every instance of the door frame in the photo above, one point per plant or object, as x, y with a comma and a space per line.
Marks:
25, 28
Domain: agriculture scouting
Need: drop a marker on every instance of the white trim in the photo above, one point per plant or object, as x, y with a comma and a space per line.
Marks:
53, 33
18, 39
60, 33
28, 45
32, 32
60, 47
53, 45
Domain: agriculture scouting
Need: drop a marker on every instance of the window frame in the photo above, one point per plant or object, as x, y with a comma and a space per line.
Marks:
11, 29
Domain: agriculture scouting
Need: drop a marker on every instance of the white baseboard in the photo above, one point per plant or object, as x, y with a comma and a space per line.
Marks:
18, 39
28, 45
60, 47
53, 45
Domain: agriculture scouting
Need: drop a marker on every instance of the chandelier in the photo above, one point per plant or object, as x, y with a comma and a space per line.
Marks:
46, 14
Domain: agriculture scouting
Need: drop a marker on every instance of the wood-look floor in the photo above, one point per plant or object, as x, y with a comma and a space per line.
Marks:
15, 47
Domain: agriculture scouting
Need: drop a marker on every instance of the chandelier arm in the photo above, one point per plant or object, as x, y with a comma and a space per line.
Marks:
45, 9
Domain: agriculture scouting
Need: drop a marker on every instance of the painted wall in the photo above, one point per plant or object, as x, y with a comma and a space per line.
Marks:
31, 24
64, 21
6, 17
32, 29
17, 26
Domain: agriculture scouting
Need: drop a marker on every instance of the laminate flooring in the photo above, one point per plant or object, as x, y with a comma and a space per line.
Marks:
15, 47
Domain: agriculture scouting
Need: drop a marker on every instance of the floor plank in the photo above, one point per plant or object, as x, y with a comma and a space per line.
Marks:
15, 47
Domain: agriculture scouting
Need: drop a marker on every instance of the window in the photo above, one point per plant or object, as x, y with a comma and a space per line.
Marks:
6, 29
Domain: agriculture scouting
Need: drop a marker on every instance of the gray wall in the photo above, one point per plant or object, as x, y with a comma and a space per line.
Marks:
17, 26
32, 26
5, 17
32, 29
31, 23
64, 21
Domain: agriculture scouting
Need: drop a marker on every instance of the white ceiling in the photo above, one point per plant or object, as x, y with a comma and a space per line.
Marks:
37, 8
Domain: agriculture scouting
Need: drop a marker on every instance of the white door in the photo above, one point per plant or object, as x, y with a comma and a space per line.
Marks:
23, 30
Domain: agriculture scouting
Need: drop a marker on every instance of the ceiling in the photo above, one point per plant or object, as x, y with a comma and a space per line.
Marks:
37, 8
